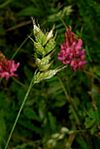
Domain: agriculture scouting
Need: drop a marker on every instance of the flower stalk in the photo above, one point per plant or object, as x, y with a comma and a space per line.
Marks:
19, 112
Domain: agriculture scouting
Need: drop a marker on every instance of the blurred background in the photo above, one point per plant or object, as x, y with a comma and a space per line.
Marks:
48, 120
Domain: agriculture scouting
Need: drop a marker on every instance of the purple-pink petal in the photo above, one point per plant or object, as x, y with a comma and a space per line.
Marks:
7, 67
71, 52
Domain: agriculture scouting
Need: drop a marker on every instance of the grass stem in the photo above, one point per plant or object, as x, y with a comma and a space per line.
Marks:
19, 112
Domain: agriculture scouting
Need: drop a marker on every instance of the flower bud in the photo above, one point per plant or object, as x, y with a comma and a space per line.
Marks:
50, 45
39, 48
43, 64
39, 35
50, 35
44, 75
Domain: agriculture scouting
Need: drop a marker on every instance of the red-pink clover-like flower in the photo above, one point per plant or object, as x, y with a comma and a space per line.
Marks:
7, 67
71, 51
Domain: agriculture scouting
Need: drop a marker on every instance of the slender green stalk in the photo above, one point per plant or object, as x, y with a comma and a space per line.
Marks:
18, 82
5, 4
92, 74
18, 50
19, 112
19, 47
18, 26
69, 99
63, 22
73, 107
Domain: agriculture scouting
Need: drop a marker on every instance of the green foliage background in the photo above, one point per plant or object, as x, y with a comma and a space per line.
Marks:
48, 120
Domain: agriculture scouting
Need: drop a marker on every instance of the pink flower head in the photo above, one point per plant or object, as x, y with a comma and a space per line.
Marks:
7, 67
71, 51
